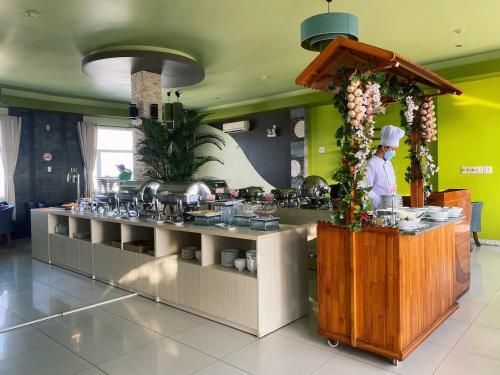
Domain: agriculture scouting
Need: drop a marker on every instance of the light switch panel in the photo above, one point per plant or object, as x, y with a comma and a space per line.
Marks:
488, 169
49, 169
322, 150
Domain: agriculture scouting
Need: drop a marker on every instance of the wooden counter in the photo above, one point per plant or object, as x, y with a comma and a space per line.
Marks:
258, 303
383, 291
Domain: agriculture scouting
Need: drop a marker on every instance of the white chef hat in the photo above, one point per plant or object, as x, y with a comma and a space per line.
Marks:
390, 136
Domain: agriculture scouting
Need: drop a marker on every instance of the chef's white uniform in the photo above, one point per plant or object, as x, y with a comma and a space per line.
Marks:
381, 178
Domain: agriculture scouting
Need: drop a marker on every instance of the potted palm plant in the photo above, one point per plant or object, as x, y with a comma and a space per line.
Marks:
169, 150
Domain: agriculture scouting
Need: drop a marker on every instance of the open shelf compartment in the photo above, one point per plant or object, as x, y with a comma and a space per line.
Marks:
58, 220
80, 228
213, 245
170, 242
106, 233
135, 237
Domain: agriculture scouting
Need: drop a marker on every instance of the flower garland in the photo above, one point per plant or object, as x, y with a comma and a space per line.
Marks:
426, 125
357, 99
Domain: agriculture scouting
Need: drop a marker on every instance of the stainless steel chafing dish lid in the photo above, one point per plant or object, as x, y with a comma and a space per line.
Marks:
313, 186
189, 192
144, 191
215, 183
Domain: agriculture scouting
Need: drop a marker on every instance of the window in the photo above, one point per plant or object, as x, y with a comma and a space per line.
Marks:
114, 146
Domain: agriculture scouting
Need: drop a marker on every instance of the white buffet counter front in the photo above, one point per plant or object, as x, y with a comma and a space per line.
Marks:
258, 303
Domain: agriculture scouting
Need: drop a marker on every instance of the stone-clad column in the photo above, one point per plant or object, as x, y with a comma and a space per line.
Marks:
146, 90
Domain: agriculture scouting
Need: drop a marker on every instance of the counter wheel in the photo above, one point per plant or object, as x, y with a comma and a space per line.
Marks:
333, 343
395, 362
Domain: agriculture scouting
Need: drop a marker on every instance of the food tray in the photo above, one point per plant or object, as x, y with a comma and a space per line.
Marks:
243, 220
207, 220
139, 246
205, 213
266, 224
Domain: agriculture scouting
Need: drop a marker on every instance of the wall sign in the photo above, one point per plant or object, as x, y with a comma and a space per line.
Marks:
47, 156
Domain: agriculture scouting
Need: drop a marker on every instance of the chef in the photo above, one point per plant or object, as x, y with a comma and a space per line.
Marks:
379, 171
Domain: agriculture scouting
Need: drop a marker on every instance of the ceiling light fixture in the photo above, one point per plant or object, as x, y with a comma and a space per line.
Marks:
32, 13
317, 31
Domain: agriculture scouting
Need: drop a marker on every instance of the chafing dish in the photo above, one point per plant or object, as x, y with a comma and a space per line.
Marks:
104, 203
251, 193
218, 187
185, 196
132, 194
314, 192
285, 197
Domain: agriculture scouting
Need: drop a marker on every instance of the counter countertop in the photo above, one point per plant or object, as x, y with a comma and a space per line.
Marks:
239, 232
431, 225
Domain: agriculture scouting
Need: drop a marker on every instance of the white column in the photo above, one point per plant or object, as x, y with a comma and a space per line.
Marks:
146, 90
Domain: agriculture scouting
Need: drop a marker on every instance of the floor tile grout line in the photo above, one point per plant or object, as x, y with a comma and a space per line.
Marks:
165, 336
324, 364
63, 314
452, 348
222, 359
70, 350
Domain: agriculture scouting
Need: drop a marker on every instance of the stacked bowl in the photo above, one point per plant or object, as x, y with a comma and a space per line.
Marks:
188, 252
386, 201
228, 256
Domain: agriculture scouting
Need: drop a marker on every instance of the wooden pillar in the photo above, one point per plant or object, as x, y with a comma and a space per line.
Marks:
417, 182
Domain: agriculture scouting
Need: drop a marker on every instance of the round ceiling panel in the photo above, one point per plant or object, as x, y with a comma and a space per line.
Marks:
116, 65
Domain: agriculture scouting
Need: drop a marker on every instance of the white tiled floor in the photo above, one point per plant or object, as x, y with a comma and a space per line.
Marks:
139, 336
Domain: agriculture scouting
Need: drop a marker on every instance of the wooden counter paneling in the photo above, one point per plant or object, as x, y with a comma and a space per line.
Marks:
459, 198
334, 291
384, 292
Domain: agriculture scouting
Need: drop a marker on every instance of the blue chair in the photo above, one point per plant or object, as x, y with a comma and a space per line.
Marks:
6, 223
475, 221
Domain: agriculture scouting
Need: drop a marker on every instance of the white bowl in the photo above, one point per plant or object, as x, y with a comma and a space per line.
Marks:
406, 224
240, 264
440, 215
455, 211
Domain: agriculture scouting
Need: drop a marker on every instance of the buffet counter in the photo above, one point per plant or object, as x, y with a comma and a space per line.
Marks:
258, 303
384, 291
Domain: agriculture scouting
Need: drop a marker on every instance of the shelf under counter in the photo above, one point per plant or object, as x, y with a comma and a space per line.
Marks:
257, 303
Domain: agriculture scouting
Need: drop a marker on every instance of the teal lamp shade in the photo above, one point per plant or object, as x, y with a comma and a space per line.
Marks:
318, 31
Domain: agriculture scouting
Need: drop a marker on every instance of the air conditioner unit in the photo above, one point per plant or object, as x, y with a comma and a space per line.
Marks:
236, 127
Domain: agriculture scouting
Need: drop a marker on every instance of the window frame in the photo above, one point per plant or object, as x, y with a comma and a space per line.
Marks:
98, 166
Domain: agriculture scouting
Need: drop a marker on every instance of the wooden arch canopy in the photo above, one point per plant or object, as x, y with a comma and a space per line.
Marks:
343, 53
347, 53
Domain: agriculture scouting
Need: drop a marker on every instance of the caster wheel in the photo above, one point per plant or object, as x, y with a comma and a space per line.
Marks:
395, 362
333, 343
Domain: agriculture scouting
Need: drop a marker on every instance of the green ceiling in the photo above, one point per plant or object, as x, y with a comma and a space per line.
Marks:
237, 41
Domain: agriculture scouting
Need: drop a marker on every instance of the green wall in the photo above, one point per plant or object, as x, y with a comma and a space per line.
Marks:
469, 134
323, 122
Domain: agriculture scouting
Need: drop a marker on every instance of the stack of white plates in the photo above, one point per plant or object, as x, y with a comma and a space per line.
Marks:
386, 201
188, 252
228, 256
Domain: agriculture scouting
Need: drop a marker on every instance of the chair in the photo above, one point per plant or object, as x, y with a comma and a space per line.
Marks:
475, 222
6, 223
